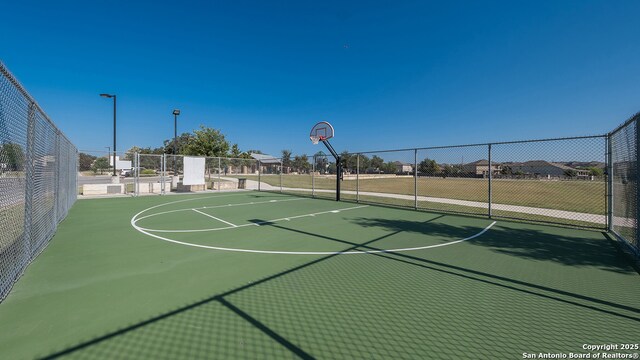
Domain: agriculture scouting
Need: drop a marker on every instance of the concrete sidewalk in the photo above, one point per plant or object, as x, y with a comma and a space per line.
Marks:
560, 214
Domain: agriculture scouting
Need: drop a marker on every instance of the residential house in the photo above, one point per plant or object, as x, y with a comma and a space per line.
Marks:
481, 168
403, 168
542, 168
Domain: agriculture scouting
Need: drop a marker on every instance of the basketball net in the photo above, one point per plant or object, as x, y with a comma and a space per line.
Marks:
314, 139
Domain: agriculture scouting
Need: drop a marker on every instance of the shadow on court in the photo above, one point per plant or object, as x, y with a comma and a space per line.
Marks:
528, 243
385, 305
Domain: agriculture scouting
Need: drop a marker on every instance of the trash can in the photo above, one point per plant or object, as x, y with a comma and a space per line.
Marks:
242, 183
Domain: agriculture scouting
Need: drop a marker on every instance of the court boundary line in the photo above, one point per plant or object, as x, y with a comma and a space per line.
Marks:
259, 223
215, 218
219, 206
278, 252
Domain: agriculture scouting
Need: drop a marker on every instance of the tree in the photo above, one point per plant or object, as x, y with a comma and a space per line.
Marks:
376, 163
352, 162
207, 142
448, 170
304, 162
321, 162
130, 154
428, 167
596, 171
12, 155
286, 160
301, 163
85, 161
389, 168
331, 168
100, 164
348, 161
235, 151
182, 142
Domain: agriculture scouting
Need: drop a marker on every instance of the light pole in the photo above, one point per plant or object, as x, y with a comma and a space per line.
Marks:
114, 129
176, 112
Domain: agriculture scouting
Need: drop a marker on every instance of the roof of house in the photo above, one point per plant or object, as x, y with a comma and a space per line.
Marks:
265, 159
546, 163
482, 162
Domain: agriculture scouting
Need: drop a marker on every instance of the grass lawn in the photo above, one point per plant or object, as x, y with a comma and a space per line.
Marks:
579, 196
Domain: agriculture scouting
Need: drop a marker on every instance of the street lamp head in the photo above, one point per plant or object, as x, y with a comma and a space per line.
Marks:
176, 112
107, 95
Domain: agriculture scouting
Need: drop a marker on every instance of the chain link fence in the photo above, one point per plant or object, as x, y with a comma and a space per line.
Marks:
164, 173
95, 173
587, 182
38, 179
559, 181
562, 181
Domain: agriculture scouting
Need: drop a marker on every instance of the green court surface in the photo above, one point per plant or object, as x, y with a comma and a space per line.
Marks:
266, 275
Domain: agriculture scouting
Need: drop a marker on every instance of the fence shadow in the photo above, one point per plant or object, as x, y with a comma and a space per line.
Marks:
375, 305
527, 243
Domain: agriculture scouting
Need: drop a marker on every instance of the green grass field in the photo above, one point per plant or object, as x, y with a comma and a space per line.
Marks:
579, 196
264, 275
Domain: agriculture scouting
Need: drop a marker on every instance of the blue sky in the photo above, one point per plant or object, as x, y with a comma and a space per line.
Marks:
386, 74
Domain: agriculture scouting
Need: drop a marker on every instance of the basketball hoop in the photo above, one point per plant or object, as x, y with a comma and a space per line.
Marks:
320, 132
323, 131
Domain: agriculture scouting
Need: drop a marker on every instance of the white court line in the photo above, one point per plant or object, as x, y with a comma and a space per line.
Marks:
357, 252
252, 224
213, 217
219, 206
191, 199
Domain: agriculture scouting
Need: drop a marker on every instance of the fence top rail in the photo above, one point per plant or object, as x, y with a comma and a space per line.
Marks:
208, 157
14, 81
603, 136
634, 117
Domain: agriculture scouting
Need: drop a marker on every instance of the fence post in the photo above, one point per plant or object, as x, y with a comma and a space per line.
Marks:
136, 183
415, 179
56, 195
338, 175
219, 171
609, 184
259, 171
281, 169
313, 178
28, 203
637, 176
490, 181
162, 170
357, 178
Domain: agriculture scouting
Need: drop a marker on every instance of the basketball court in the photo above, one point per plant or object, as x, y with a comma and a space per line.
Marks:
234, 275
264, 274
